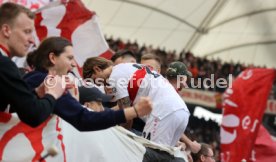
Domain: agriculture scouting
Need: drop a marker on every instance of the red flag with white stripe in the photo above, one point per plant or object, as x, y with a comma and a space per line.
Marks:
76, 23
244, 106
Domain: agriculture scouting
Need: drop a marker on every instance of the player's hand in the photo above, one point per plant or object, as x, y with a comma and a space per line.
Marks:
181, 145
195, 147
143, 106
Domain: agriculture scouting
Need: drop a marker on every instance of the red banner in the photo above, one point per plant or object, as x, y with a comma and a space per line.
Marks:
244, 105
264, 148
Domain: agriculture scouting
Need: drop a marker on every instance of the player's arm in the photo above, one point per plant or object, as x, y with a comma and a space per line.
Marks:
124, 103
194, 146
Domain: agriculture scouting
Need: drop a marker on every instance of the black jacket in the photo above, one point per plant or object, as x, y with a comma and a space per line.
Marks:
15, 92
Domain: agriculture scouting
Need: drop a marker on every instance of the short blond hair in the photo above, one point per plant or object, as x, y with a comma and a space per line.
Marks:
151, 57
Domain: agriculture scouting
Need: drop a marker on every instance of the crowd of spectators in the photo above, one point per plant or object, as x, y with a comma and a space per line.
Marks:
200, 67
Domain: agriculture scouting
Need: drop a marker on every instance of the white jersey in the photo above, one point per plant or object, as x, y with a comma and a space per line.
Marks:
125, 79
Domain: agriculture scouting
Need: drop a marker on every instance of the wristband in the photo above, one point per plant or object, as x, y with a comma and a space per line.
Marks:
137, 116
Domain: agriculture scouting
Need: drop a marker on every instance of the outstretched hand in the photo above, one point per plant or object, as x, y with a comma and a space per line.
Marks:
143, 106
195, 147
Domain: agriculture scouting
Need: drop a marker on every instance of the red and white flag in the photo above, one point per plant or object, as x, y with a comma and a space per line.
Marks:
20, 142
69, 19
76, 23
244, 106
